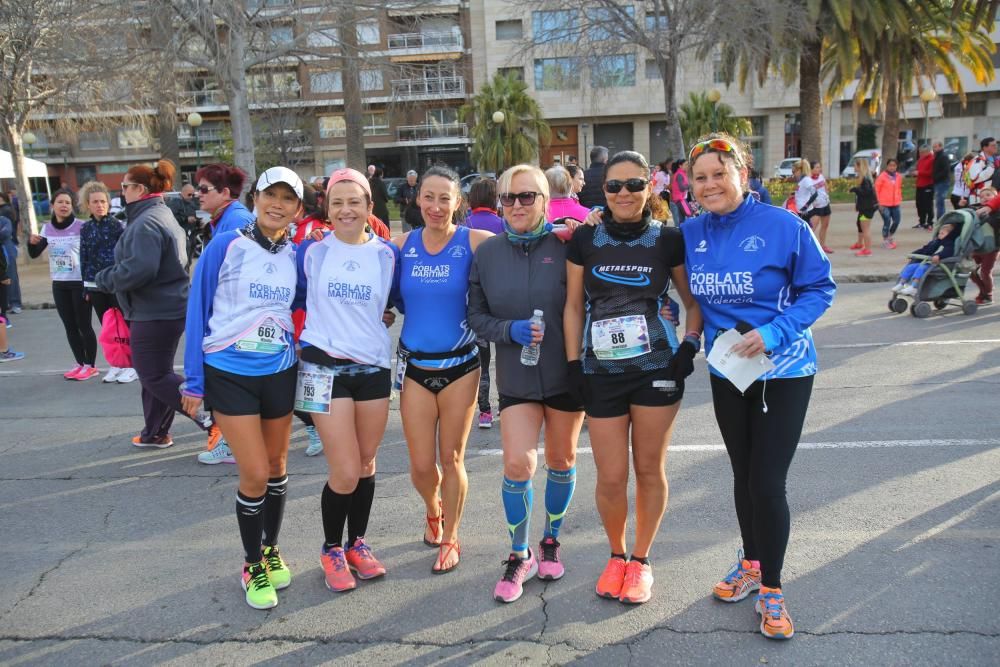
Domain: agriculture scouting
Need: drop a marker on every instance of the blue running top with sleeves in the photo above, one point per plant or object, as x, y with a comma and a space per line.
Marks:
235, 216
239, 316
761, 265
435, 295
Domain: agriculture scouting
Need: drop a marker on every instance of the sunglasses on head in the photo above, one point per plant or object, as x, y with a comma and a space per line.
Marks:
205, 189
720, 145
632, 185
526, 198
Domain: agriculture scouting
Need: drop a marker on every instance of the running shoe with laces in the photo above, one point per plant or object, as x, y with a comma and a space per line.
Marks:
638, 585
73, 372
550, 567
360, 558
10, 355
85, 374
742, 580
277, 571
609, 585
335, 570
153, 443
112, 375
127, 375
260, 592
775, 623
486, 419
214, 437
315, 444
517, 571
220, 454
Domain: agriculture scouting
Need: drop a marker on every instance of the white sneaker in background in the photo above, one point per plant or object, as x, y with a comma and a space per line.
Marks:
112, 376
126, 375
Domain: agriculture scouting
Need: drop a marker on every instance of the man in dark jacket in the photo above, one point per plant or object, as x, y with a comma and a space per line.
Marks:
406, 197
941, 173
8, 243
592, 193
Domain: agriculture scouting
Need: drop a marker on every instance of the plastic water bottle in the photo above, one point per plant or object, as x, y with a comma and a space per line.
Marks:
531, 353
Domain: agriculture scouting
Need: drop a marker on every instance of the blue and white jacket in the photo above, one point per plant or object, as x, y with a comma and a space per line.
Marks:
761, 265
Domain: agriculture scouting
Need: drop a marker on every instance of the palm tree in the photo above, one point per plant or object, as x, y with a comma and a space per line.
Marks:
905, 61
699, 116
517, 137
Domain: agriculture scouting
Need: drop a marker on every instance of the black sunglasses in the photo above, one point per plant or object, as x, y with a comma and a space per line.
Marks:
632, 185
526, 198
204, 189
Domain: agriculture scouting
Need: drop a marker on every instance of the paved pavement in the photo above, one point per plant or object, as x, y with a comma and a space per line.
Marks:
119, 556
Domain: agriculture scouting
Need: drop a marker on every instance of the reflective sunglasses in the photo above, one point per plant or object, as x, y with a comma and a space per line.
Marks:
126, 185
720, 145
526, 198
205, 189
632, 185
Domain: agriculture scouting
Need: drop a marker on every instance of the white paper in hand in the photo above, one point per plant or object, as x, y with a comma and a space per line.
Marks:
741, 371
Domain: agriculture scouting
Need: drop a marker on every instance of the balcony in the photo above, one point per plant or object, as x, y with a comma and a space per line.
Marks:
202, 98
428, 88
423, 7
435, 131
413, 45
206, 138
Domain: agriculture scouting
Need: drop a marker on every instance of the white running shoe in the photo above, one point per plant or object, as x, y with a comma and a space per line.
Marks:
909, 290
218, 454
315, 444
112, 375
126, 375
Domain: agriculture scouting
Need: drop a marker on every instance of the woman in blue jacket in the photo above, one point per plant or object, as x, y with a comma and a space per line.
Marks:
760, 270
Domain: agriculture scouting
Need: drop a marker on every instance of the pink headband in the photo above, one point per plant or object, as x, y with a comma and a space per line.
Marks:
340, 175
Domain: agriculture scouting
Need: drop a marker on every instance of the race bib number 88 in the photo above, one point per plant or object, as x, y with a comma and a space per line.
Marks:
620, 337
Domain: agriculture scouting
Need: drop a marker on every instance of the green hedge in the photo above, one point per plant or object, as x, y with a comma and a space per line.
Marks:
839, 189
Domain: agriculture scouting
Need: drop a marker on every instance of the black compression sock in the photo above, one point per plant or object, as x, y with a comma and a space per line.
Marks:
274, 508
614, 555
644, 561
361, 509
335, 508
250, 517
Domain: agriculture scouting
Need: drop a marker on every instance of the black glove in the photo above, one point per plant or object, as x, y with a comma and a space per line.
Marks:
577, 382
682, 363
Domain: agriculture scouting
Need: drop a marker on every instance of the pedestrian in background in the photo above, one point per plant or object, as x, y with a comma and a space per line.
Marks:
219, 187
925, 189
679, 188
562, 204
979, 172
61, 236
889, 192
592, 194
10, 245
757, 186
380, 195
865, 203
941, 175
406, 197
960, 190
6, 353
576, 175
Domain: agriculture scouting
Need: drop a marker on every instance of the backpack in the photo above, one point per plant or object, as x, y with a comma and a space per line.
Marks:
115, 339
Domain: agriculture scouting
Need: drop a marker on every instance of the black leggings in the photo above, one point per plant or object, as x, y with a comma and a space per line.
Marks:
761, 446
102, 303
75, 314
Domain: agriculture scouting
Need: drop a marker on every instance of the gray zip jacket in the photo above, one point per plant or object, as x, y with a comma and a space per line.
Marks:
507, 282
148, 275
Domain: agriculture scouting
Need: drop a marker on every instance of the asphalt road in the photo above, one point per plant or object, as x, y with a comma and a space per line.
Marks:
118, 556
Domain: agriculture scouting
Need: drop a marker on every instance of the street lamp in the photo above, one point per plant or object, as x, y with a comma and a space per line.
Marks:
927, 95
29, 138
498, 119
194, 120
586, 148
714, 96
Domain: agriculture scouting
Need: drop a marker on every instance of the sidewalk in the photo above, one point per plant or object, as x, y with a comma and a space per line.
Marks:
881, 266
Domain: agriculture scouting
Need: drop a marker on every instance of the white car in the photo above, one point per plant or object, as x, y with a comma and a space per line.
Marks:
874, 157
784, 168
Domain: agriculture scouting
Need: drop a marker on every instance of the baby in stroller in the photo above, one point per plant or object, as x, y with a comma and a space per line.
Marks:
922, 259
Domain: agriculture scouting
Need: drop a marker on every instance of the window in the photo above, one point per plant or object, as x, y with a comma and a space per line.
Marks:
972, 108
332, 126
996, 52
557, 73
323, 38
612, 71
442, 116
376, 123
518, 72
652, 71
94, 141
554, 26
603, 20
656, 23
509, 30
368, 32
758, 128
718, 76
261, 4
371, 79
282, 35
326, 82
133, 137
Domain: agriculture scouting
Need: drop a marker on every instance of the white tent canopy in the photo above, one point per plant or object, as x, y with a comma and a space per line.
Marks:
35, 168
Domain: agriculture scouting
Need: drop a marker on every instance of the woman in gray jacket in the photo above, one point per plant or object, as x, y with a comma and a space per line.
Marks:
514, 274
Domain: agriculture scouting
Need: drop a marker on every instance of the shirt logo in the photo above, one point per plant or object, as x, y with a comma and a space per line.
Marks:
457, 251
702, 247
412, 252
752, 243
270, 268
351, 265
547, 260
636, 276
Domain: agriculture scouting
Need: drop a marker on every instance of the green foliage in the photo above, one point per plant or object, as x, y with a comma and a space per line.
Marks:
698, 117
514, 141
839, 189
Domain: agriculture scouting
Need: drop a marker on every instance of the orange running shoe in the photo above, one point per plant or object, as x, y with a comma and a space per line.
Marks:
638, 585
338, 575
742, 580
775, 623
360, 558
610, 584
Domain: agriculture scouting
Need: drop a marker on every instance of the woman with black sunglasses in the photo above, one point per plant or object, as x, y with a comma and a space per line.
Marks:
629, 370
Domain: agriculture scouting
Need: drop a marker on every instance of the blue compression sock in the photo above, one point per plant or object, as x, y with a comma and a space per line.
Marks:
559, 488
517, 500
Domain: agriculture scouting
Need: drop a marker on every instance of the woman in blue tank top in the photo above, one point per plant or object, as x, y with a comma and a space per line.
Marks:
438, 358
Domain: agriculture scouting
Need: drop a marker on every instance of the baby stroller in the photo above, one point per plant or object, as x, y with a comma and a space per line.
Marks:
944, 283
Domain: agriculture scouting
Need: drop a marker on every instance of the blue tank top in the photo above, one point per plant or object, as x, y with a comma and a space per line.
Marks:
435, 293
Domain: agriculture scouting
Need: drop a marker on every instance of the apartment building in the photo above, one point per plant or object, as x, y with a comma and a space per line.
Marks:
415, 74
617, 100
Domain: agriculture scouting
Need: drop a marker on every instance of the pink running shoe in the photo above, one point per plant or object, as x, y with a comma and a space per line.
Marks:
338, 575
73, 372
86, 373
549, 566
360, 558
518, 570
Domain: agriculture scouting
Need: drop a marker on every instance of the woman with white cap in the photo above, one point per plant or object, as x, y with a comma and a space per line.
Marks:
240, 357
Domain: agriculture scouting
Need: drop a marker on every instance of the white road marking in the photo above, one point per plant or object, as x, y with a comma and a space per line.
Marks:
907, 343
847, 444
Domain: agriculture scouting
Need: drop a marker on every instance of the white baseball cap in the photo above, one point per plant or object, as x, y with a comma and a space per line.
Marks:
276, 175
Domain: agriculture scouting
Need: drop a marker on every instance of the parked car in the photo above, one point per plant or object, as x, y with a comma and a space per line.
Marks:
874, 157
469, 179
784, 168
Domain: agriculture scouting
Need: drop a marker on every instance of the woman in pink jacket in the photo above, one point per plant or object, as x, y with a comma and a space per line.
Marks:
889, 192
